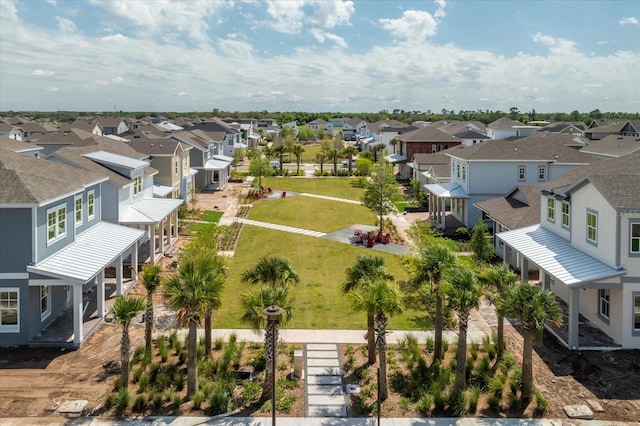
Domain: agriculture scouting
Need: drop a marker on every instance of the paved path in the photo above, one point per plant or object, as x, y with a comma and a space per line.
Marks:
324, 381
326, 197
284, 228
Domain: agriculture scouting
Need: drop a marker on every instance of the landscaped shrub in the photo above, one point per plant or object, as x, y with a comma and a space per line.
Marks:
425, 404
123, 399
139, 404
473, 396
196, 400
429, 344
251, 392
220, 398
541, 403
457, 404
493, 401
218, 343
154, 398
143, 382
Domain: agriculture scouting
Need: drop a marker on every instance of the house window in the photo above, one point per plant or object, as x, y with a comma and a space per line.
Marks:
542, 173
604, 299
176, 166
137, 185
45, 302
634, 246
10, 310
522, 172
56, 223
636, 312
78, 209
565, 214
592, 227
464, 173
91, 204
458, 170
551, 208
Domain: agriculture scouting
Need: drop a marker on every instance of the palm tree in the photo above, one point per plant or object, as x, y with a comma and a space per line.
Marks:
321, 157
254, 304
273, 271
188, 292
499, 278
280, 150
463, 295
363, 272
150, 280
349, 152
383, 299
124, 310
297, 150
533, 307
214, 294
429, 265
393, 142
276, 275
334, 153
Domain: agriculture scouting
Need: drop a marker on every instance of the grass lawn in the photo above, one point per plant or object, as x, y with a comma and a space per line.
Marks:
348, 188
311, 213
320, 263
211, 216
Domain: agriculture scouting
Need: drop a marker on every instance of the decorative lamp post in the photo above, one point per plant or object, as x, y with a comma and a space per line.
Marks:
273, 313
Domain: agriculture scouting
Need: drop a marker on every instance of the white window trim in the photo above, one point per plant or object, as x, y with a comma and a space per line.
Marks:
542, 176
89, 204
567, 215
522, 176
56, 210
551, 209
635, 331
632, 238
137, 185
47, 312
11, 328
589, 240
603, 301
75, 210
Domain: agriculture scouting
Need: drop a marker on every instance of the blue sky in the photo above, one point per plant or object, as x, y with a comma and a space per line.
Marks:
322, 55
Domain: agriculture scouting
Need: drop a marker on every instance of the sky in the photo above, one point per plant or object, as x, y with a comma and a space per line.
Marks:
319, 55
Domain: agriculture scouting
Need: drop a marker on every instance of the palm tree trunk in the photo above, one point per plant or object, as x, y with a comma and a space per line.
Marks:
125, 344
437, 350
207, 331
192, 366
371, 338
321, 168
269, 335
527, 364
382, 353
148, 323
461, 356
500, 343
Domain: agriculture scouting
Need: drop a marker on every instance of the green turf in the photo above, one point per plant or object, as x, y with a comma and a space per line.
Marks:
311, 213
211, 216
319, 303
348, 188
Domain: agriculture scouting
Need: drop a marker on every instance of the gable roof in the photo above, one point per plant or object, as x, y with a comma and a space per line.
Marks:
517, 209
559, 126
427, 134
455, 126
616, 179
29, 180
156, 145
471, 134
17, 146
614, 146
504, 123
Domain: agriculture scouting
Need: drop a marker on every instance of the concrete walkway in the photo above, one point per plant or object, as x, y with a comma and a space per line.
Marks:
326, 197
324, 381
283, 228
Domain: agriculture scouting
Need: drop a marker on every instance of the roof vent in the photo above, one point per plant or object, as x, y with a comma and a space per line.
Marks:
620, 137
150, 144
515, 149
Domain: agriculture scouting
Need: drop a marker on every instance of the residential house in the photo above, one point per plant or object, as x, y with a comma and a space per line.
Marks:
171, 158
587, 249
422, 141
432, 168
504, 128
127, 195
613, 146
111, 125
470, 137
55, 247
602, 128
381, 133
454, 127
352, 126
11, 131
94, 128
575, 128
320, 124
493, 168
222, 134
20, 147
53, 141
23, 127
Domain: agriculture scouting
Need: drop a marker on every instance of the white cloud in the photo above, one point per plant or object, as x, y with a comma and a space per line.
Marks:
118, 80
53, 89
182, 94
559, 46
114, 37
602, 43
413, 25
43, 73
321, 36
629, 21
287, 16
329, 14
65, 25
52, 2
440, 13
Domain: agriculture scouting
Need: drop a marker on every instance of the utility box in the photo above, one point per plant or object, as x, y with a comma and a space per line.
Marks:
298, 363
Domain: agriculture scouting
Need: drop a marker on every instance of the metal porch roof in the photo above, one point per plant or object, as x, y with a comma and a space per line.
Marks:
446, 190
557, 256
396, 158
149, 210
161, 190
216, 165
91, 252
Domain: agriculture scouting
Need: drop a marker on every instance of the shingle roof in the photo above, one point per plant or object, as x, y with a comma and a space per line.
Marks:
17, 146
559, 126
155, 145
29, 180
453, 127
613, 146
504, 123
519, 208
427, 134
617, 179
470, 134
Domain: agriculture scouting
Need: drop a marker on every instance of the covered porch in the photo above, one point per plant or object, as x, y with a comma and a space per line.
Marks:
155, 215
217, 172
81, 267
566, 271
443, 196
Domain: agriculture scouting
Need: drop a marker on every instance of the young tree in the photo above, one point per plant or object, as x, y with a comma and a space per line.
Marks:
238, 156
366, 270
380, 187
463, 295
297, 150
124, 310
334, 154
349, 152
480, 243
151, 281
533, 307
259, 167
188, 293
499, 279
383, 299
321, 157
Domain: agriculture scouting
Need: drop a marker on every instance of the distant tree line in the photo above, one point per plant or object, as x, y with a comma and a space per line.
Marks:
301, 117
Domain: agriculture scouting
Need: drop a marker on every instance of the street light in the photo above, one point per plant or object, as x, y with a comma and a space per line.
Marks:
273, 313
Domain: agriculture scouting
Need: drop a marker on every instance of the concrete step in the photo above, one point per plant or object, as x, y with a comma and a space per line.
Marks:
328, 411
323, 362
325, 390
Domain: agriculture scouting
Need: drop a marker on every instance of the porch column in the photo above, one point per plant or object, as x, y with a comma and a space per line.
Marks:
152, 243
100, 293
77, 314
175, 224
546, 280
118, 266
161, 235
443, 212
134, 261
506, 255
524, 269
574, 318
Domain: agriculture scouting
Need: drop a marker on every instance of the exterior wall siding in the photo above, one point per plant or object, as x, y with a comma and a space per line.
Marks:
17, 238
